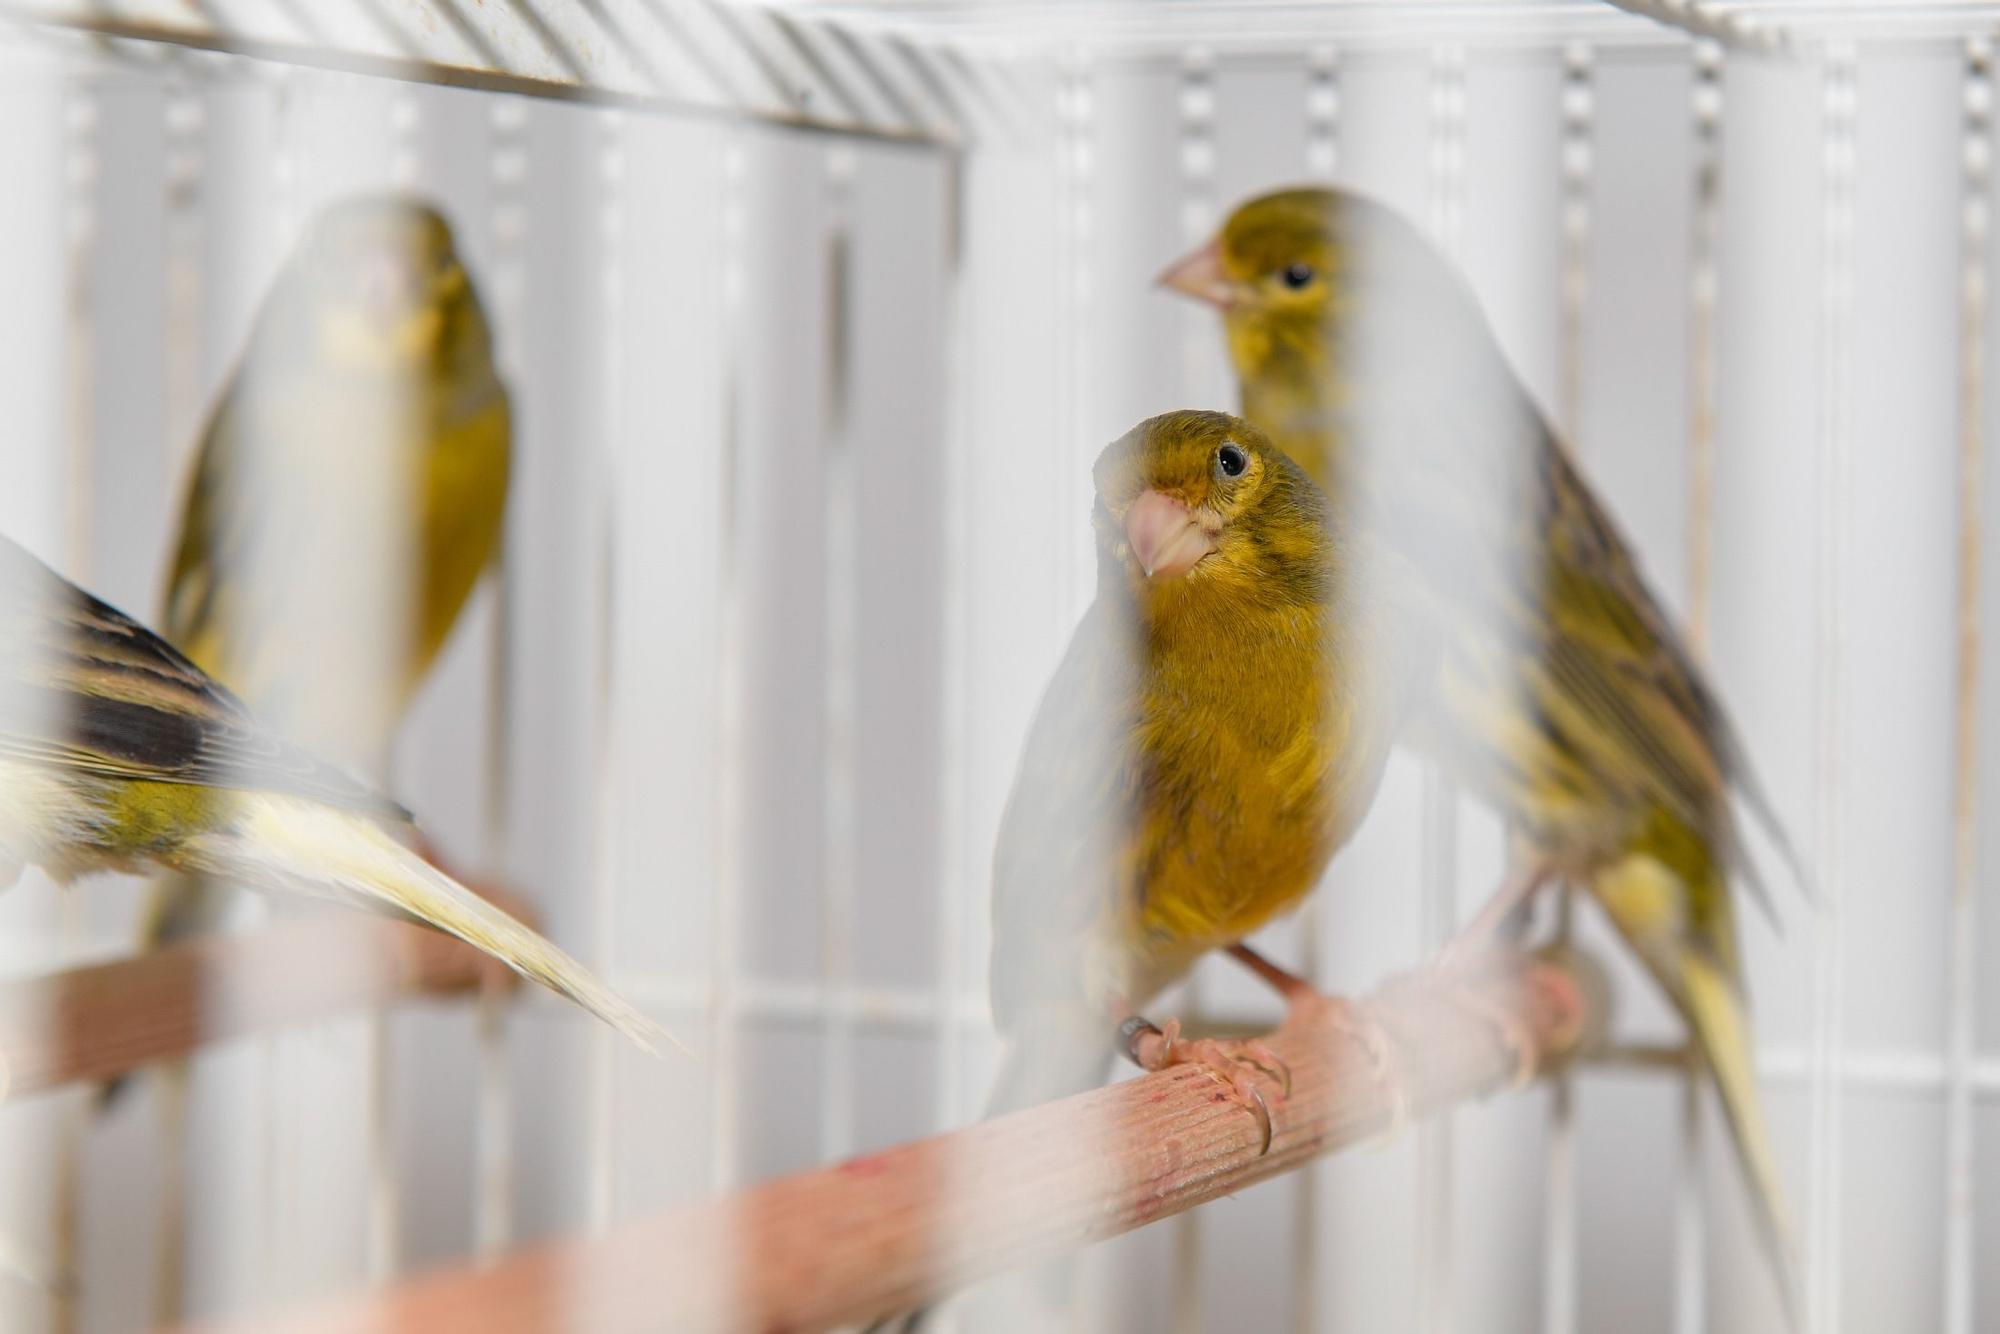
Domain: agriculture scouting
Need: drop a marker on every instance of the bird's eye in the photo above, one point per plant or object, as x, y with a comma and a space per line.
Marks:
1297, 276
1231, 460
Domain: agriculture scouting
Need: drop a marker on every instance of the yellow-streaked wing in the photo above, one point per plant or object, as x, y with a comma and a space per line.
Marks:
87, 689
1572, 670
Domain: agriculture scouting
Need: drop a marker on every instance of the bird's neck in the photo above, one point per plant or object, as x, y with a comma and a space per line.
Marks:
1218, 615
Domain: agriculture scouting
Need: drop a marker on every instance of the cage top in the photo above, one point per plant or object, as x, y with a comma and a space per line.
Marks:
1150, 26
944, 72
717, 57
1147, 27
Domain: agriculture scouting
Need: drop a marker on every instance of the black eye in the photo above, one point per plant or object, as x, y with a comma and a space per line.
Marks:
1296, 276
1232, 460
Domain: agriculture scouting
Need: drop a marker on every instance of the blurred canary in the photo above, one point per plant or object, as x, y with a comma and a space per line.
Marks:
1215, 731
1563, 693
348, 493
117, 753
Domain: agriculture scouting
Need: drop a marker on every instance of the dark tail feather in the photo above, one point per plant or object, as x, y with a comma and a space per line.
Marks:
1757, 801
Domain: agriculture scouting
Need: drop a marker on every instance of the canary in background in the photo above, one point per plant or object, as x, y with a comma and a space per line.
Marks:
118, 753
347, 495
1563, 695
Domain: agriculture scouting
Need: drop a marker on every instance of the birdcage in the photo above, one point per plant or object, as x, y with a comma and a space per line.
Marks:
813, 316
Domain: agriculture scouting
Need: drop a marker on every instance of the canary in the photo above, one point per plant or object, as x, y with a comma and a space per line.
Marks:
1562, 693
347, 495
118, 753
1216, 729
1214, 732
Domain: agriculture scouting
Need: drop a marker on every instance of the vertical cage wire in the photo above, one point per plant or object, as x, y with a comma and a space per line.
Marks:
1322, 160
1706, 113
607, 734
1576, 171
384, 1226
1322, 113
186, 127
1076, 192
1976, 164
277, 1199
82, 113
727, 763
1436, 1297
406, 124
1196, 109
1705, 108
1840, 110
957, 878
186, 172
839, 896
1076, 183
507, 167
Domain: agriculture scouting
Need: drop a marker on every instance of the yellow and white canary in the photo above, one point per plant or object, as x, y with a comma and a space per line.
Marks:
1563, 694
118, 753
1216, 730
349, 492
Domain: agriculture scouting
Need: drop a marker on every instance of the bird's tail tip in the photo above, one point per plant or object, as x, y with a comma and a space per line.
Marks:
638, 1027
1718, 1021
357, 859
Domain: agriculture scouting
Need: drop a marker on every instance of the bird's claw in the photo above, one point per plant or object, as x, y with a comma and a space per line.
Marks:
1263, 1119
1228, 1063
1280, 1072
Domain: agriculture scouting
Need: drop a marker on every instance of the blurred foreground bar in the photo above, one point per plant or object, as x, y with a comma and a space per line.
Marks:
106, 1019
908, 1226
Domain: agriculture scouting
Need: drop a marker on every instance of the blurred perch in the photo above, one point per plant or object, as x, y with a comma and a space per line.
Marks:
106, 1019
909, 1225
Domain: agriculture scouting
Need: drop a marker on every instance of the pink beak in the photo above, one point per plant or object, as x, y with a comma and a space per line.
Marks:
1199, 274
1163, 535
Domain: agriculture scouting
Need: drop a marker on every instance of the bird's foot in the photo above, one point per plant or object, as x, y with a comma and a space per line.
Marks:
1516, 1035
1451, 971
1516, 892
1240, 1065
1456, 982
1308, 1006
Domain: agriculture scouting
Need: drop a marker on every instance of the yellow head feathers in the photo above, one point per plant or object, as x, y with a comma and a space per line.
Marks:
1192, 504
376, 283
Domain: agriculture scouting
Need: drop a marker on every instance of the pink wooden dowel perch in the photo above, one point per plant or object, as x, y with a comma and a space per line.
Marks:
909, 1225
105, 1019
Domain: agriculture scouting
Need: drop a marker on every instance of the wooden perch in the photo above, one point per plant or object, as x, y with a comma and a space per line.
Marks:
94, 1022
909, 1225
